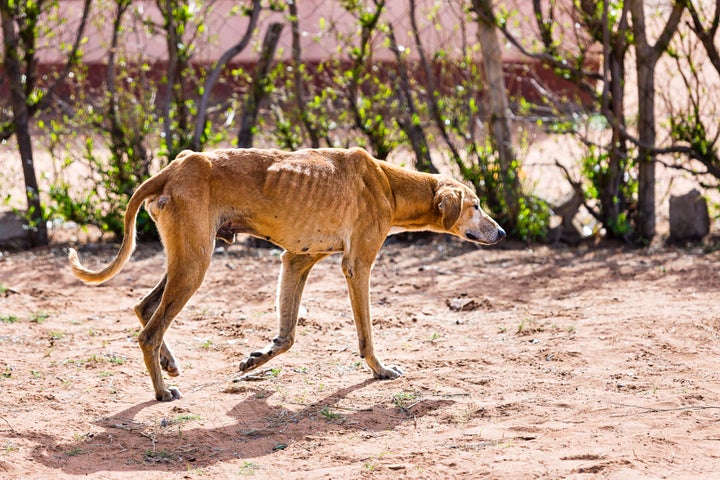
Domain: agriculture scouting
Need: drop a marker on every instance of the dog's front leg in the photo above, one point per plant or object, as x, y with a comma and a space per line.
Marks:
293, 275
357, 274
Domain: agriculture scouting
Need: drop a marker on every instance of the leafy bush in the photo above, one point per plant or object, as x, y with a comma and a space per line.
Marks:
599, 175
533, 218
101, 200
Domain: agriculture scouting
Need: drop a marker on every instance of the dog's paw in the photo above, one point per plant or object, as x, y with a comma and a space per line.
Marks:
170, 366
388, 373
168, 395
253, 361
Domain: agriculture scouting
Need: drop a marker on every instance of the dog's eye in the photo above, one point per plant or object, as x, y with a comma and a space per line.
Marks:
476, 206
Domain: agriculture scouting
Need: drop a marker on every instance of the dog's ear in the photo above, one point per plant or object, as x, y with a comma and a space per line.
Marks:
450, 202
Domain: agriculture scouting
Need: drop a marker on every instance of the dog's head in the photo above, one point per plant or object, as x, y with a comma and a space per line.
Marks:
462, 215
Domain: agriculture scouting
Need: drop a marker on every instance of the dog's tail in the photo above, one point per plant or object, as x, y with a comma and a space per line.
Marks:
150, 187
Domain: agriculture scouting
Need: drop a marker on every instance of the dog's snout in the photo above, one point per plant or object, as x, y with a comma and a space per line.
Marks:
500, 234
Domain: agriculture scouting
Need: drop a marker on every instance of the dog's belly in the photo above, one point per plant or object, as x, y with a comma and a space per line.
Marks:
307, 238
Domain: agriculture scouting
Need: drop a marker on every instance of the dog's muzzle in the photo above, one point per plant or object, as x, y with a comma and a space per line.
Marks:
499, 235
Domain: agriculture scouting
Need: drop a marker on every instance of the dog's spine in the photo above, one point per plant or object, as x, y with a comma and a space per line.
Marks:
150, 187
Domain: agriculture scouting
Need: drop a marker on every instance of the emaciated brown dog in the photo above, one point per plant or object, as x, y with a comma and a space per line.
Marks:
312, 203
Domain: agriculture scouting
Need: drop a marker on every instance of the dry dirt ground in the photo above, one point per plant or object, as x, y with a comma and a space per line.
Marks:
520, 362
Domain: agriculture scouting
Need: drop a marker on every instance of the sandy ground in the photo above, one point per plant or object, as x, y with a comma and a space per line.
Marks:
520, 362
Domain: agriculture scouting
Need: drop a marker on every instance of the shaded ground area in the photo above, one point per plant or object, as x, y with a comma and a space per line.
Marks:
519, 363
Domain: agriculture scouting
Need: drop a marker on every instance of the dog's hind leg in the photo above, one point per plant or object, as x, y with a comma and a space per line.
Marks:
144, 311
293, 275
186, 269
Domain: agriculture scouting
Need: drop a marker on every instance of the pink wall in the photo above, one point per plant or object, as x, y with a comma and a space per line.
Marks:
320, 20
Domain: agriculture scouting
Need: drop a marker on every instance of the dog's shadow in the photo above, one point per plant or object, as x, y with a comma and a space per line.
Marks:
260, 428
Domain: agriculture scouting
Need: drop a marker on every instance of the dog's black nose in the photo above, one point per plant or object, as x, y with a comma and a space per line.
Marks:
500, 234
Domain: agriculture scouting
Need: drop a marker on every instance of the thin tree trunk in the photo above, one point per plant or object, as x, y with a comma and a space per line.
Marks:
171, 40
22, 85
73, 57
38, 234
646, 156
498, 108
610, 196
646, 57
410, 120
123, 141
432, 103
197, 140
707, 35
38, 228
298, 74
378, 140
258, 91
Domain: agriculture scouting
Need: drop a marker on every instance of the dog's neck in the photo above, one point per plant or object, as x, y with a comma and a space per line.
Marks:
413, 201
